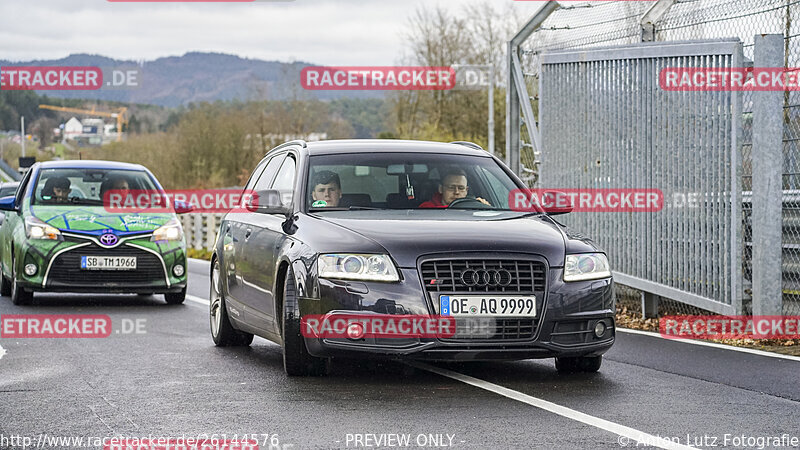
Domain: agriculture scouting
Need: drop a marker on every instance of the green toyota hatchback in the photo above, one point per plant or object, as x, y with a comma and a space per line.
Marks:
57, 235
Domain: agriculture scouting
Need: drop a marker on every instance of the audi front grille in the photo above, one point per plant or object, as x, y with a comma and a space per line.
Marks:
477, 275
484, 275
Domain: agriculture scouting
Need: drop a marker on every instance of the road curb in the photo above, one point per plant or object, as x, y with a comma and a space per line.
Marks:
751, 351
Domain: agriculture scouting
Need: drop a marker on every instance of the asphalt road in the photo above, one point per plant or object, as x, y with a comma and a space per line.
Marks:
169, 381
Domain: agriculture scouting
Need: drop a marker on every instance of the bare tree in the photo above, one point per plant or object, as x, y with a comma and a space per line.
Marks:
436, 37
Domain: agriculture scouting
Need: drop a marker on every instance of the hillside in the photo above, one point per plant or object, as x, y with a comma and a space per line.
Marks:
197, 77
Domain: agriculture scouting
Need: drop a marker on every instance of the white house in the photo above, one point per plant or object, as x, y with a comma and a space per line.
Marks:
73, 128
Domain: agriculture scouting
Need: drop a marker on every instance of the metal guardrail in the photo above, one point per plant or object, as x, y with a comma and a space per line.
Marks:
200, 229
643, 137
593, 25
8, 173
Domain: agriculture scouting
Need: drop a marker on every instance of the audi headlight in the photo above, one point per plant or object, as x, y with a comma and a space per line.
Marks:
357, 267
170, 231
587, 266
37, 229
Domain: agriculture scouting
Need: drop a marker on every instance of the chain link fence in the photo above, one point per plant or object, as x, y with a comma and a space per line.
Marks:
605, 24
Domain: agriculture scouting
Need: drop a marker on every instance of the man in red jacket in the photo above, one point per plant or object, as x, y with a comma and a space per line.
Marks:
452, 187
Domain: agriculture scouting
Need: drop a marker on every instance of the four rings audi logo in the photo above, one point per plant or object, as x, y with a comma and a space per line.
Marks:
486, 277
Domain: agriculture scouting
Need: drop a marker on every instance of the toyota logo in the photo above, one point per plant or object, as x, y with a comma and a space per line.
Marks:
484, 277
108, 239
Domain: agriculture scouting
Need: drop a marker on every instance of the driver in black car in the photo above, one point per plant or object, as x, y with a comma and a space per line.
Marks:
453, 186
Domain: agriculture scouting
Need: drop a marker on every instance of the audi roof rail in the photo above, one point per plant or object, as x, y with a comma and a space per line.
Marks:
299, 142
468, 144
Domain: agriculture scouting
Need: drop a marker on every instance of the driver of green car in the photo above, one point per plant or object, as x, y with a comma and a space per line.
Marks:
56, 190
452, 186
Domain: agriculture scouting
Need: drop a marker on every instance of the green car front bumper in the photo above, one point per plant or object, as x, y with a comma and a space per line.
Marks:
58, 265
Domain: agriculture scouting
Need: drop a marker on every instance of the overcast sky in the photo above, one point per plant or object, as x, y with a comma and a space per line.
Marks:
332, 32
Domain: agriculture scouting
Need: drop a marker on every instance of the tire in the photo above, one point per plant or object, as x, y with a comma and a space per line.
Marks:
297, 362
5, 285
222, 332
175, 298
582, 364
19, 296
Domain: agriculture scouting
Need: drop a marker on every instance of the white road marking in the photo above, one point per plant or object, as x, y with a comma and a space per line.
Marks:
195, 299
711, 344
2, 352
624, 432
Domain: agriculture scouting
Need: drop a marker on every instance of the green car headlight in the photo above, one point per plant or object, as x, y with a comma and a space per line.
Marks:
37, 229
357, 267
586, 266
170, 231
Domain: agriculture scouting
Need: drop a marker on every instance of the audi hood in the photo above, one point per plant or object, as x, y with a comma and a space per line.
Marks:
409, 234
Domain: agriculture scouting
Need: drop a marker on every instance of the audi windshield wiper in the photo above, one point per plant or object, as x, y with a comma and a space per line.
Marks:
349, 208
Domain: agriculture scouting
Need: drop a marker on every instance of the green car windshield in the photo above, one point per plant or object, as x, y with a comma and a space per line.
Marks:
86, 186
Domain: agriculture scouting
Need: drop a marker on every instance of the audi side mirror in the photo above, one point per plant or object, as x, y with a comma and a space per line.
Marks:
269, 201
556, 202
183, 207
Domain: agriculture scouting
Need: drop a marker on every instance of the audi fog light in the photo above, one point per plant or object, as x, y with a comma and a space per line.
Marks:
587, 266
178, 270
355, 331
30, 269
357, 267
600, 329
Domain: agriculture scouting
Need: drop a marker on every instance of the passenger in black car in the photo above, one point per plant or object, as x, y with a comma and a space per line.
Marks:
326, 188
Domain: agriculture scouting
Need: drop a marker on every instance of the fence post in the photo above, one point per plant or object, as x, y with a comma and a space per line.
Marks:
211, 230
651, 17
767, 156
649, 305
512, 117
197, 231
515, 85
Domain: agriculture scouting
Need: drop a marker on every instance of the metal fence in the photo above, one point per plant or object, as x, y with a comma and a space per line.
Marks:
603, 24
606, 123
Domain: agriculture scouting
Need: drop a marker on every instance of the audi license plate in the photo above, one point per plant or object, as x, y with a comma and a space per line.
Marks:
487, 306
108, 262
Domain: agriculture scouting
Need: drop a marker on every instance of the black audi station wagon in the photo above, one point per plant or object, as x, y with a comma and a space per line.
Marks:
389, 229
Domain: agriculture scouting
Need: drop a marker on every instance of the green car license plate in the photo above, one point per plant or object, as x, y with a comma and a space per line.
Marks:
108, 262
